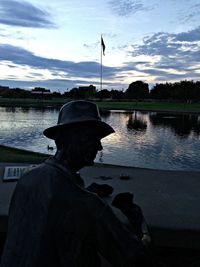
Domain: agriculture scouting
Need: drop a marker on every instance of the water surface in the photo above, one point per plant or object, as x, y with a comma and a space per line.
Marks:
148, 139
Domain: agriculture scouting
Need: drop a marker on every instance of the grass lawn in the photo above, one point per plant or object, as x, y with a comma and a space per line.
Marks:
16, 155
9, 154
151, 106
117, 105
30, 102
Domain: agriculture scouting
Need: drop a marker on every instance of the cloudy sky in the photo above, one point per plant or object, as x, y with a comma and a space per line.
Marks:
56, 43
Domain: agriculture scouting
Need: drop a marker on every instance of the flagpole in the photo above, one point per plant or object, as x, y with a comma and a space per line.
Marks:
101, 65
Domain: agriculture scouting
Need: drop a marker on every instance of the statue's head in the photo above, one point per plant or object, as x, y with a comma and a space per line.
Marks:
79, 131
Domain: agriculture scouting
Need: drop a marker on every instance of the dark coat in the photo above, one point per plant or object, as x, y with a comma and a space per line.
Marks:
53, 222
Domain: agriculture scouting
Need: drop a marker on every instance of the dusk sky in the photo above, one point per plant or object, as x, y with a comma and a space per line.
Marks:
56, 43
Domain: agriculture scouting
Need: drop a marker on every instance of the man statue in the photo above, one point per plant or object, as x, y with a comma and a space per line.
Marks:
53, 220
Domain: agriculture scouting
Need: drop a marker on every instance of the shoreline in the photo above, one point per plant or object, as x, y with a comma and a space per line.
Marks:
10, 154
18, 155
179, 112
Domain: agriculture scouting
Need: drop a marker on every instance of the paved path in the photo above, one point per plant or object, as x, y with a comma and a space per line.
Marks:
170, 200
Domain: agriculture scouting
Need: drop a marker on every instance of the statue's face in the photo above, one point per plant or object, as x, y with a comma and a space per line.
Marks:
89, 146
83, 143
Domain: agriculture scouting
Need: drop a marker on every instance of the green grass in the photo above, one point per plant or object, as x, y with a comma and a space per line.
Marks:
117, 105
152, 106
15, 155
9, 154
29, 102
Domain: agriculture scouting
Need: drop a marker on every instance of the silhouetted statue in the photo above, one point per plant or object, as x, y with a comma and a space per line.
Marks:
125, 202
53, 220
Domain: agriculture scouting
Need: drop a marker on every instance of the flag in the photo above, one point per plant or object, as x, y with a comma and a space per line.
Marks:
103, 46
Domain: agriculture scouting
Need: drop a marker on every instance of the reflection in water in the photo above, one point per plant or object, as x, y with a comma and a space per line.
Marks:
105, 113
10, 109
135, 123
181, 125
149, 140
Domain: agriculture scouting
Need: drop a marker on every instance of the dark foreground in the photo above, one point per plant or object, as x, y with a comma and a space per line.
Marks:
163, 256
170, 202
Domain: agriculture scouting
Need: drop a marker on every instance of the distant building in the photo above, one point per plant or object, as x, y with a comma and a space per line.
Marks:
41, 92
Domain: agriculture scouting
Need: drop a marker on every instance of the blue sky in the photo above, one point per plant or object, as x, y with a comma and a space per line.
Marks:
56, 43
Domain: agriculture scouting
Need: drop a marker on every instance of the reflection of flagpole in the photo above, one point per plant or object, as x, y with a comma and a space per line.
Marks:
102, 53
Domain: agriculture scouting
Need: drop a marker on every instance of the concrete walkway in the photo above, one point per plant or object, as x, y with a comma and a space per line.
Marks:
170, 200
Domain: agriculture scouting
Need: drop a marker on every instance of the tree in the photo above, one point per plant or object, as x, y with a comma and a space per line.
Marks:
40, 89
5, 91
185, 91
162, 91
56, 94
83, 92
137, 90
116, 94
102, 94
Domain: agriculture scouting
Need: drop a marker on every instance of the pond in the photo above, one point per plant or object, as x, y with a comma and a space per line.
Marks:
142, 139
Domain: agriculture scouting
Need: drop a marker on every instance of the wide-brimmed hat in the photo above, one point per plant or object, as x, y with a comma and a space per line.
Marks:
79, 112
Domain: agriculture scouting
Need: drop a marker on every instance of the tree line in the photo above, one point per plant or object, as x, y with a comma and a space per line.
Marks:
185, 91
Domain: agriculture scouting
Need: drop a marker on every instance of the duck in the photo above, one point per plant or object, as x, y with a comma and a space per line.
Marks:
50, 147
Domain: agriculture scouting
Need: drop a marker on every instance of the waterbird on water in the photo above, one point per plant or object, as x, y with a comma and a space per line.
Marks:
50, 147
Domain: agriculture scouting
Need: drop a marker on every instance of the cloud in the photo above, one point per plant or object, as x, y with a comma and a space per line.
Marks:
53, 84
190, 36
193, 14
86, 69
124, 8
161, 57
18, 35
181, 45
171, 56
24, 14
91, 46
